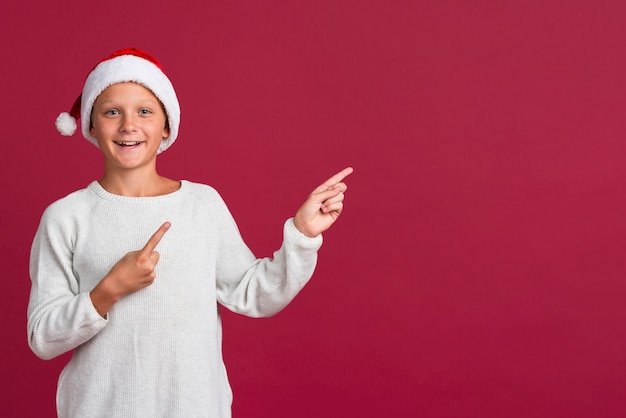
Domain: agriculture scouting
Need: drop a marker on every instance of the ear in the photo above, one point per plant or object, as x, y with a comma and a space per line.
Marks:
166, 131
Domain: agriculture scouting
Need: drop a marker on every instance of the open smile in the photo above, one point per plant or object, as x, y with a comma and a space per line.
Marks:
128, 144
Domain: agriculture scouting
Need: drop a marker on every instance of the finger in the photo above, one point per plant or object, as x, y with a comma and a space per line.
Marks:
334, 207
154, 257
337, 178
339, 187
155, 239
323, 195
337, 198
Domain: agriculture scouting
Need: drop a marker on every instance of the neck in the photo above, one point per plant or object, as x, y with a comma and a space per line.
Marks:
137, 184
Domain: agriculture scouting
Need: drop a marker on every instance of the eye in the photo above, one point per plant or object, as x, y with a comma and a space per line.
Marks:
145, 111
112, 112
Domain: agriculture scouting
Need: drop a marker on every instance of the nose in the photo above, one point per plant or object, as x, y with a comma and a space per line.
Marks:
129, 123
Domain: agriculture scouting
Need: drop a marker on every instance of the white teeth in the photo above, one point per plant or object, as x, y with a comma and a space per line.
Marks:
128, 144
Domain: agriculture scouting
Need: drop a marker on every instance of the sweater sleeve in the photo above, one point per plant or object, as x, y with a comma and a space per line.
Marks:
261, 287
60, 318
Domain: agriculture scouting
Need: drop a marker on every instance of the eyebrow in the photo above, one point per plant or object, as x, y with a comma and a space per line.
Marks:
142, 103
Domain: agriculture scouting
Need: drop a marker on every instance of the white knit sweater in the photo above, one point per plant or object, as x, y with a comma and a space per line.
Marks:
158, 352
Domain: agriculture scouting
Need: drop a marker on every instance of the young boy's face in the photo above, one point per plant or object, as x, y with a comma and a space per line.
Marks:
129, 123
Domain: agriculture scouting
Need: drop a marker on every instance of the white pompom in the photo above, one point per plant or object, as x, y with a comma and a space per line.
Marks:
66, 124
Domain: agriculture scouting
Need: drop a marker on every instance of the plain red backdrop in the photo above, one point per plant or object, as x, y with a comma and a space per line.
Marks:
478, 270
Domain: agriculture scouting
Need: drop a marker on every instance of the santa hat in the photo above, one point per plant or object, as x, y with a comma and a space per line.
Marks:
125, 65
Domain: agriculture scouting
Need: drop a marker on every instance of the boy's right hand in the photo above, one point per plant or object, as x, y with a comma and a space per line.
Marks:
133, 272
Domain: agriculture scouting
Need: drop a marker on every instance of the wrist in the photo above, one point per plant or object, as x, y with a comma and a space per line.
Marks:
304, 231
103, 297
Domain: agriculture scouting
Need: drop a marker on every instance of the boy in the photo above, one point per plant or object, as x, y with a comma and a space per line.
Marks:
144, 325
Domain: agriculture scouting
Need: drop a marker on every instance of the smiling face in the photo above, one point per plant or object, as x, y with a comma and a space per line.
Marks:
129, 123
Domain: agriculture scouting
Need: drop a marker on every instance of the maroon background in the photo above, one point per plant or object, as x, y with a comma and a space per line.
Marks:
478, 269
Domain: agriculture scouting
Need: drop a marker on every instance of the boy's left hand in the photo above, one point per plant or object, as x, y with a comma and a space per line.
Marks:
323, 206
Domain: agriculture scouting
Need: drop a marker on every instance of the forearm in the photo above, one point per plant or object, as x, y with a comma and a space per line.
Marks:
104, 297
57, 327
268, 285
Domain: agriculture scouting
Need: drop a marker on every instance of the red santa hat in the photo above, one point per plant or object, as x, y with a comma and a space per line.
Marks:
130, 64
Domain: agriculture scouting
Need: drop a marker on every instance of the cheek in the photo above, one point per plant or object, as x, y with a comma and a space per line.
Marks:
95, 126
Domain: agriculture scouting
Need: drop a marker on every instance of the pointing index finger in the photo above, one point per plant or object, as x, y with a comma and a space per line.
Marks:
338, 177
155, 239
